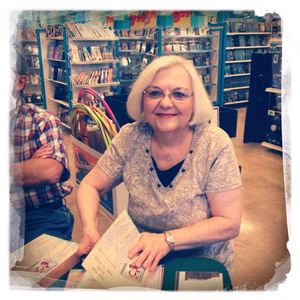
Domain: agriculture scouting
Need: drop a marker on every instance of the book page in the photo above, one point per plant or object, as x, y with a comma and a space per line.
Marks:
108, 262
44, 255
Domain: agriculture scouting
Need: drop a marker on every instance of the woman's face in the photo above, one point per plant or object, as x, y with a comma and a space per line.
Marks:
169, 113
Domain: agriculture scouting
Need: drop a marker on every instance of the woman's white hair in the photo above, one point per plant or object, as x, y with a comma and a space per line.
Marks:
202, 104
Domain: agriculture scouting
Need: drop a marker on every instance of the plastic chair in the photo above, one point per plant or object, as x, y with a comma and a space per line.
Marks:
192, 264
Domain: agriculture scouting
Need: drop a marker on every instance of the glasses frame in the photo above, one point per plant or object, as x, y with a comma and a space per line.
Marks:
145, 93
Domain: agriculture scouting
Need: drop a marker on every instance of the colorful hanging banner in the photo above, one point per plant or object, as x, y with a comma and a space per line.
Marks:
150, 19
181, 19
109, 21
137, 22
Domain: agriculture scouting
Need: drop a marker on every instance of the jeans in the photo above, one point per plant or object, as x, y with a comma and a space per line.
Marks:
53, 221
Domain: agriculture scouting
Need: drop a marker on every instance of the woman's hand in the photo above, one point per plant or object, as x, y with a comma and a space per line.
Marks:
44, 152
149, 249
88, 241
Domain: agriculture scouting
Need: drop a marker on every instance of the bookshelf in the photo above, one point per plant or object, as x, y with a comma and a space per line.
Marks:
243, 38
52, 57
273, 139
72, 57
136, 50
92, 59
29, 60
202, 46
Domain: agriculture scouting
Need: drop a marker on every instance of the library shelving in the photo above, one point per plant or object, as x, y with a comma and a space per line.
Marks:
202, 46
243, 38
82, 55
92, 60
52, 57
27, 49
136, 50
274, 131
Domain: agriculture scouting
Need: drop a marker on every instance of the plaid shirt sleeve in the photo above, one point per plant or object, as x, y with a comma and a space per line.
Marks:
49, 132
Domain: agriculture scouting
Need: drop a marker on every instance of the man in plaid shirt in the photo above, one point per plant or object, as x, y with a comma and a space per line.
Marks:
39, 169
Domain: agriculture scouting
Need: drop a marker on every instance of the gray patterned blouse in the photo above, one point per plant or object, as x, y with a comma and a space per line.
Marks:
210, 166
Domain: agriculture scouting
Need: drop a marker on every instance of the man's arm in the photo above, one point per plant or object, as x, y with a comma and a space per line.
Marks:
37, 171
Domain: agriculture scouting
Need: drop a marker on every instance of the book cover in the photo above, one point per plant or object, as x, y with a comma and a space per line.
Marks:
45, 260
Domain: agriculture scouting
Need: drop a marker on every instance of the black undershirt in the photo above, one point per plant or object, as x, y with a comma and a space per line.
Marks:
166, 176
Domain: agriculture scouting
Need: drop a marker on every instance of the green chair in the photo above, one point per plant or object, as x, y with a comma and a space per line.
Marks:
192, 264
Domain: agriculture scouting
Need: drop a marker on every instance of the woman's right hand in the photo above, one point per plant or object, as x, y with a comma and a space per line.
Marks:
89, 239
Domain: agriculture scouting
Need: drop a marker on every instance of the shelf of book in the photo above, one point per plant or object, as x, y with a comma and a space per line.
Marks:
248, 33
136, 50
205, 67
131, 52
189, 37
243, 38
92, 59
52, 56
108, 84
190, 51
202, 46
27, 49
105, 61
247, 47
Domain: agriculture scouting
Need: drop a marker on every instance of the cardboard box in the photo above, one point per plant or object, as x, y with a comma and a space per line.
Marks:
85, 159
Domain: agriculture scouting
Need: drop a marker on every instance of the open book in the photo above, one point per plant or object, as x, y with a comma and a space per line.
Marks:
45, 260
108, 265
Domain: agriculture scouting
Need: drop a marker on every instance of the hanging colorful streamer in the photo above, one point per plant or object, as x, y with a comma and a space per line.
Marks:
84, 116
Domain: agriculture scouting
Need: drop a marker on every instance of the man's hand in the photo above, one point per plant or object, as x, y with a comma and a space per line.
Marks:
44, 152
88, 241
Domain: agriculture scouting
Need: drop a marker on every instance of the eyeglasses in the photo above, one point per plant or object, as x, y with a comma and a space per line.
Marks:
176, 95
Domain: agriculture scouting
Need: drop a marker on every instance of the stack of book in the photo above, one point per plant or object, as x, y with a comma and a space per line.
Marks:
124, 33
104, 75
92, 53
248, 25
57, 73
89, 30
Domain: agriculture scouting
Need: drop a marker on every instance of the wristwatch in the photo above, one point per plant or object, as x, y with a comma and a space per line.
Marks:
169, 238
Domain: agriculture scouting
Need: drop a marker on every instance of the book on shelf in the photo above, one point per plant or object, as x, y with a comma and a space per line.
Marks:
89, 30
27, 34
54, 31
44, 260
30, 49
93, 53
94, 77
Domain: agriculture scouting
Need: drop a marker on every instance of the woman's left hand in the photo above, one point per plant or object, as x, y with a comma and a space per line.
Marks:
149, 249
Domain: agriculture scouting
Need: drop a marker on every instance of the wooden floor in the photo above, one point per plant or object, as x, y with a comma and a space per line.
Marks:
261, 245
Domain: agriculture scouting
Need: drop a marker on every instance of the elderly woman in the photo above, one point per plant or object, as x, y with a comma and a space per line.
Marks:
181, 173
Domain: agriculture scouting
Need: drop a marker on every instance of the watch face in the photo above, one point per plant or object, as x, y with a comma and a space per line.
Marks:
170, 239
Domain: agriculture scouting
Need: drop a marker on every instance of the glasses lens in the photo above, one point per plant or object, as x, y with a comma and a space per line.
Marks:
155, 93
179, 95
